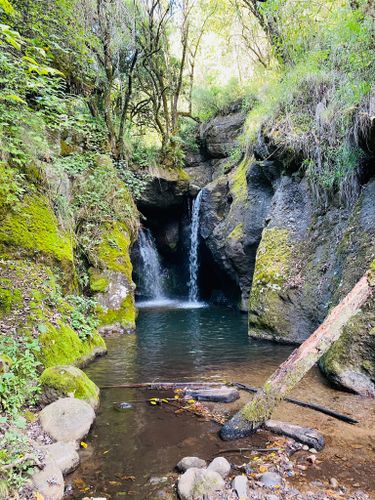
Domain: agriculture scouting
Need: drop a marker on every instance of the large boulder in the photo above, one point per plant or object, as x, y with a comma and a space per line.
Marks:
67, 419
64, 455
49, 482
61, 381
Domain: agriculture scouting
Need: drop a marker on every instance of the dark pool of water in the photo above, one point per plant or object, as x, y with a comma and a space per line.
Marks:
170, 345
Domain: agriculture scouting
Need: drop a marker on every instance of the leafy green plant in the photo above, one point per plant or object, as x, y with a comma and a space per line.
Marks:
18, 380
83, 316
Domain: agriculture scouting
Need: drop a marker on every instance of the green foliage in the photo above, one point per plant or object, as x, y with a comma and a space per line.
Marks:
135, 180
18, 382
15, 449
309, 107
213, 97
83, 317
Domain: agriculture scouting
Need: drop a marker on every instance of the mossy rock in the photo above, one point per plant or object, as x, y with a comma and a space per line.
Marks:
350, 362
272, 268
112, 280
60, 345
64, 380
33, 230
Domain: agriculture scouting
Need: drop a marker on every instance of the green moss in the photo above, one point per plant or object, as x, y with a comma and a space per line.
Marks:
272, 270
98, 282
271, 266
113, 250
61, 345
238, 185
237, 233
34, 228
70, 381
9, 297
124, 317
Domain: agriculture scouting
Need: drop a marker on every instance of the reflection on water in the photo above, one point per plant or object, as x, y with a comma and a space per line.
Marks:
190, 344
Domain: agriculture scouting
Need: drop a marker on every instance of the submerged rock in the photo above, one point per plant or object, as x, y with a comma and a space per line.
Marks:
196, 484
67, 419
123, 406
221, 395
310, 437
191, 462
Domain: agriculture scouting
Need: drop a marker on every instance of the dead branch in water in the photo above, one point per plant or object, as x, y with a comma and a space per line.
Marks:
164, 385
303, 404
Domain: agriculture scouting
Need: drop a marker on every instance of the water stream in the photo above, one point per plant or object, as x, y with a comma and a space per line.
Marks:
194, 248
200, 344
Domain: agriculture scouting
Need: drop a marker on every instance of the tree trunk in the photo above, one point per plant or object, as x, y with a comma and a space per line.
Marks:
289, 373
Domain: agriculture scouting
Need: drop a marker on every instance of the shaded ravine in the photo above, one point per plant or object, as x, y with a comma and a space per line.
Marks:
210, 344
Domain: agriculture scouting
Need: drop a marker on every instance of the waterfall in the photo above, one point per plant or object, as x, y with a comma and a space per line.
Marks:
194, 247
151, 268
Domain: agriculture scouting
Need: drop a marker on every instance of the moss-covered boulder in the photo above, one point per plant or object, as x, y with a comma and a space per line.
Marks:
350, 362
64, 380
111, 280
60, 344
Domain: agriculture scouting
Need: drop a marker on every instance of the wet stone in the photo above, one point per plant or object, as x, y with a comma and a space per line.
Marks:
195, 484
189, 462
221, 466
219, 395
123, 406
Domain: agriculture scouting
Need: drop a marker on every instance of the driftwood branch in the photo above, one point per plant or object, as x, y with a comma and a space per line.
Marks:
164, 385
304, 404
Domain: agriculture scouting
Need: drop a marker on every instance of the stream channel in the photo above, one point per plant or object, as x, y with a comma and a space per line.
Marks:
126, 449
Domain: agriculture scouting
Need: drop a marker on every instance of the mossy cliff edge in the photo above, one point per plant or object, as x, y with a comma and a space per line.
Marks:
65, 270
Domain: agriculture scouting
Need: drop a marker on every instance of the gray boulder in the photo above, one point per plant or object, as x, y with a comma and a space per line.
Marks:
49, 482
196, 484
221, 466
67, 419
64, 455
190, 462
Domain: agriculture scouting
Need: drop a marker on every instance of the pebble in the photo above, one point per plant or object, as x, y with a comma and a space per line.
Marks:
240, 486
271, 479
305, 447
313, 450
334, 483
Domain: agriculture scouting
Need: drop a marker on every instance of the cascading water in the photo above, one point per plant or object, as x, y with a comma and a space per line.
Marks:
194, 247
151, 269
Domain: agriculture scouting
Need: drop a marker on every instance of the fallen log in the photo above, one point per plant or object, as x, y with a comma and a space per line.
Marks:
240, 450
304, 404
284, 379
164, 385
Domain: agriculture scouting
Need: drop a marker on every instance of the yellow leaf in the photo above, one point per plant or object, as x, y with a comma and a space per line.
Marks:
83, 444
262, 468
165, 400
191, 401
39, 496
153, 402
